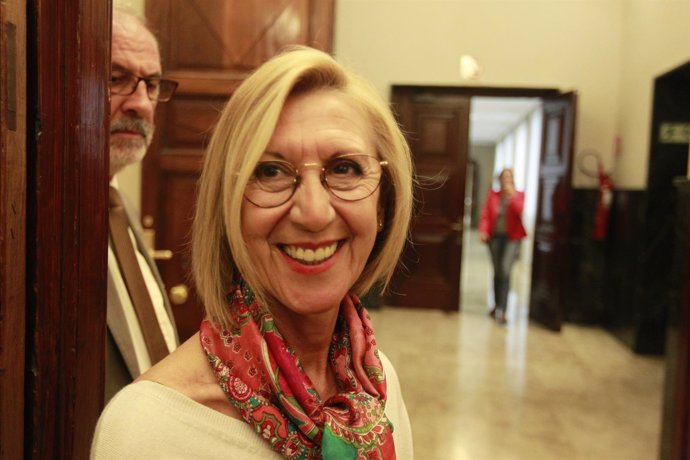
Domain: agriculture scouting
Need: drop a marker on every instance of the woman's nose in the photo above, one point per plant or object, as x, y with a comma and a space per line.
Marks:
312, 207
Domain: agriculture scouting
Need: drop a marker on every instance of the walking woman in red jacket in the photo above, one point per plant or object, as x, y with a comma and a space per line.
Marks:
501, 227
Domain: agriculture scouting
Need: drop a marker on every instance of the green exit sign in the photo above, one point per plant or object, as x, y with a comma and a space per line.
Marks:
674, 133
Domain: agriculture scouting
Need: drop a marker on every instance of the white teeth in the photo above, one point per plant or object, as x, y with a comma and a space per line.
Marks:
311, 256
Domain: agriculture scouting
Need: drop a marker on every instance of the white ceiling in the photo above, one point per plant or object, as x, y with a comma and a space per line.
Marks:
493, 117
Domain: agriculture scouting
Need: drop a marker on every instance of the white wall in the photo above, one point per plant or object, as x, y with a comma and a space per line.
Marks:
607, 50
657, 39
526, 43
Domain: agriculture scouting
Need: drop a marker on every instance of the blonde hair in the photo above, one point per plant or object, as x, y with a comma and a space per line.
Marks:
219, 253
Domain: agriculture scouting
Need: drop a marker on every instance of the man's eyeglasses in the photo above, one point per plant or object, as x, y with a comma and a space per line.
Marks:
350, 177
157, 89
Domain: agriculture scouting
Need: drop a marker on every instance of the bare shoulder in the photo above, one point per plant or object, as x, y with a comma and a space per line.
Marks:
187, 371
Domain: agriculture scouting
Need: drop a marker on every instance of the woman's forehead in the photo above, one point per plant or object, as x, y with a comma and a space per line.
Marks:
320, 120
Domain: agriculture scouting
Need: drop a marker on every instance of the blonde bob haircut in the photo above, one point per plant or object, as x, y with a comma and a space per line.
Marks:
220, 257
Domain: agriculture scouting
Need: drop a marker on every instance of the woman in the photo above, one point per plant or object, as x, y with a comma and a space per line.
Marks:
501, 227
304, 203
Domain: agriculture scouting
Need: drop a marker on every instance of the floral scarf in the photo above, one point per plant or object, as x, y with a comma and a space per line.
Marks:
262, 377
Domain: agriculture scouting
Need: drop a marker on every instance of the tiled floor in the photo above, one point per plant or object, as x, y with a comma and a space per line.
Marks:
479, 391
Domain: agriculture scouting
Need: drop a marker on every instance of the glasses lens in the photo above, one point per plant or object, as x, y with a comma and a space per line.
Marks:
153, 88
122, 83
353, 177
166, 89
348, 177
272, 184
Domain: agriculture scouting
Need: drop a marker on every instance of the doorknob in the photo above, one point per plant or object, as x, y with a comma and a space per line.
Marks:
456, 226
179, 294
150, 240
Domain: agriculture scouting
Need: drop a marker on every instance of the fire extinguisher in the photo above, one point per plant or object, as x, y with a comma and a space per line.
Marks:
604, 194
604, 200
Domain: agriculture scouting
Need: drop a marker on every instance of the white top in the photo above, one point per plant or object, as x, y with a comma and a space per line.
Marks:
147, 420
118, 294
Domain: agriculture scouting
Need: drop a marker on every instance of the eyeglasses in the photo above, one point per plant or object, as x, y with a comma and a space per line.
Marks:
350, 177
157, 89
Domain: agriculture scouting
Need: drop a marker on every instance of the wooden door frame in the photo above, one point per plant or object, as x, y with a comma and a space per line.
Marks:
547, 300
68, 48
475, 91
675, 426
12, 225
484, 91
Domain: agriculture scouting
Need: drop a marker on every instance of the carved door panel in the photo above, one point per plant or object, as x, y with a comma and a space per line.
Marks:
209, 46
437, 127
549, 260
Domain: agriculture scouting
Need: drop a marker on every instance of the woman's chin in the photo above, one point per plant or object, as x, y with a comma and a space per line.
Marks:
311, 301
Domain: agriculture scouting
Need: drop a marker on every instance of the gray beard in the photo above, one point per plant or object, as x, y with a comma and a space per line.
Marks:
124, 152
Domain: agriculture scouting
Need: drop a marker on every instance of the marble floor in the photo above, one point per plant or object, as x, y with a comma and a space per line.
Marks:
479, 391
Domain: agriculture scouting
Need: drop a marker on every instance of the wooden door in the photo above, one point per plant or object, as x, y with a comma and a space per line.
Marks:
209, 46
549, 260
437, 129
67, 121
12, 226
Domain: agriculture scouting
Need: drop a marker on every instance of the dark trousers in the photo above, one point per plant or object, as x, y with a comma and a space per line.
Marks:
504, 252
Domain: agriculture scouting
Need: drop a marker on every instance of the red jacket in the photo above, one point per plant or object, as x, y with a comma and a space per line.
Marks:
514, 227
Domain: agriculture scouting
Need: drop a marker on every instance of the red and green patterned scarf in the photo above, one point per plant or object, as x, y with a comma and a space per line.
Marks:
261, 376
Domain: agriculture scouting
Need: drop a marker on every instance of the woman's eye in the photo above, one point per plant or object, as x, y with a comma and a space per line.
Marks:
268, 171
342, 167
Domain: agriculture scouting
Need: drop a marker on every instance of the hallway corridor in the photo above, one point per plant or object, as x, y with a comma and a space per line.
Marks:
478, 391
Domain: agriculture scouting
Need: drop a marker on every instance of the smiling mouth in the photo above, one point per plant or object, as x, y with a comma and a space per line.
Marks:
310, 256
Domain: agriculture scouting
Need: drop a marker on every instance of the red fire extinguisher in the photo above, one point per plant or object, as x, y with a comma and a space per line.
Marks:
604, 200
604, 193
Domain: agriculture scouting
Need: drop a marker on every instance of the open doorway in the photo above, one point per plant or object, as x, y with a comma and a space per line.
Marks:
504, 132
436, 120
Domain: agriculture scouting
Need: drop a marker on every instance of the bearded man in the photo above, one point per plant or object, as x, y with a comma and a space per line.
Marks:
141, 327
